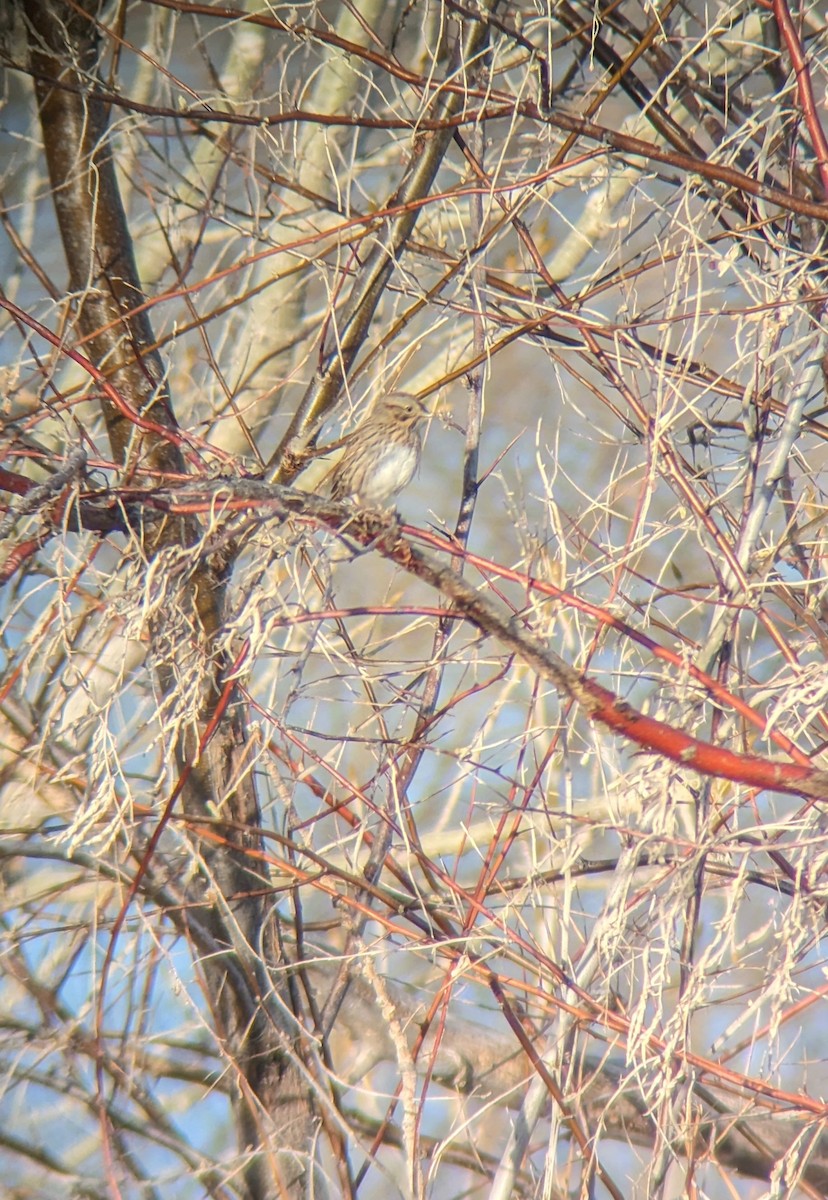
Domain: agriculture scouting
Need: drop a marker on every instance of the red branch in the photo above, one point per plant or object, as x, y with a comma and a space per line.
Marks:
788, 31
600, 704
112, 393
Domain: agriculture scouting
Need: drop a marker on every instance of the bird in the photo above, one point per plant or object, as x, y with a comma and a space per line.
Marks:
383, 452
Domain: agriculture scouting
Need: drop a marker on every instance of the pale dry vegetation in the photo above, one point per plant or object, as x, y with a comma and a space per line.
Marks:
476, 854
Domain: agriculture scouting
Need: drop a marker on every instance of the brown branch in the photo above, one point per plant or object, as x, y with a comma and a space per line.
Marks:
93, 224
427, 153
505, 107
260, 1043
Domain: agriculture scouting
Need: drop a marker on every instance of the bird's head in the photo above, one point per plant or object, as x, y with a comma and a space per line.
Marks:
407, 408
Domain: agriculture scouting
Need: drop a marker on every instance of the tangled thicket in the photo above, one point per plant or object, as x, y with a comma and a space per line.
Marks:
474, 851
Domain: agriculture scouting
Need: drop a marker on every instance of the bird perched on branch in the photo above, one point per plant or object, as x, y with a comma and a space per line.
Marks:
383, 452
